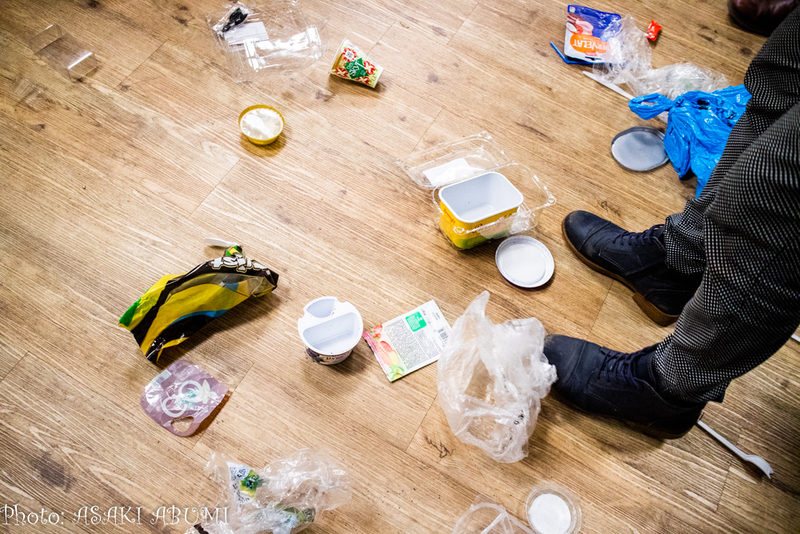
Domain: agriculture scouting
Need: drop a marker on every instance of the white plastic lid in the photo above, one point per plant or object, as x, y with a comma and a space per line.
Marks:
553, 509
524, 261
640, 148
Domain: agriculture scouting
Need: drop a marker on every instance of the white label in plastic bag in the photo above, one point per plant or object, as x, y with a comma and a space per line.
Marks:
254, 31
449, 172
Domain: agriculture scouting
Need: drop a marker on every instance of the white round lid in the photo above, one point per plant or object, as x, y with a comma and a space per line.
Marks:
640, 148
524, 261
553, 509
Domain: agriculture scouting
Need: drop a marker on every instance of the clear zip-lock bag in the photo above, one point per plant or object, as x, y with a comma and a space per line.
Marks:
262, 38
479, 193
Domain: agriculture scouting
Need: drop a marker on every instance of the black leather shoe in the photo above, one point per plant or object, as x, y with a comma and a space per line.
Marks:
760, 16
635, 259
614, 384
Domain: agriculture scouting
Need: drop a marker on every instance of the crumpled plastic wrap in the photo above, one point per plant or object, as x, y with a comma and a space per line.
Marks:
285, 497
627, 55
677, 79
492, 379
628, 60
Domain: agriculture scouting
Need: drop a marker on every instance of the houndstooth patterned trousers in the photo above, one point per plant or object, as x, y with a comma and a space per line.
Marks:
743, 234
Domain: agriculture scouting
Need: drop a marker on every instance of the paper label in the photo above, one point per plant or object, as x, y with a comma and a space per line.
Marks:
450, 172
244, 483
255, 31
409, 342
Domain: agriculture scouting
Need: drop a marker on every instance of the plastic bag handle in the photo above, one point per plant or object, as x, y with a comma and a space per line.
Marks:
649, 106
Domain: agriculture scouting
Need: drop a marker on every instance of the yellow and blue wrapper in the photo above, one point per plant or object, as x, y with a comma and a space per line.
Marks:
177, 306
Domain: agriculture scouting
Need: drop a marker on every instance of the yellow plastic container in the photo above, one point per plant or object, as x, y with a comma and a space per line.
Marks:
469, 205
256, 140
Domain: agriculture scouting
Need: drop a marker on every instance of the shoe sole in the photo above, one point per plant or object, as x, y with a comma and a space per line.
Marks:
648, 308
653, 433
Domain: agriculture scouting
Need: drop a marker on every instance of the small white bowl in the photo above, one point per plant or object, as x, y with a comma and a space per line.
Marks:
553, 509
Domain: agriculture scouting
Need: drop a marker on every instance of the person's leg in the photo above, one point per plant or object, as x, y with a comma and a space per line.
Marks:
749, 225
748, 304
773, 80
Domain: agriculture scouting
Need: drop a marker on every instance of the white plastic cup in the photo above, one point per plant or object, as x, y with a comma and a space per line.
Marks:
330, 329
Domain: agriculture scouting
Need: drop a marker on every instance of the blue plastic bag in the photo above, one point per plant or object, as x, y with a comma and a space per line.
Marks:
698, 127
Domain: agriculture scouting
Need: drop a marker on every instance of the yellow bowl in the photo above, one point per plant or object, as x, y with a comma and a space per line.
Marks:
253, 139
468, 206
464, 235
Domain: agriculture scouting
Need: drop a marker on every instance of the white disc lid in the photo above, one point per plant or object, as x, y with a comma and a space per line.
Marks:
524, 261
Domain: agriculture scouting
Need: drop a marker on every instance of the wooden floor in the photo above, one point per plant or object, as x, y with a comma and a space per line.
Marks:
112, 181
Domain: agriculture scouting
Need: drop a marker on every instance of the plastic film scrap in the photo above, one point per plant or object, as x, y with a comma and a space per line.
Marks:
285, 497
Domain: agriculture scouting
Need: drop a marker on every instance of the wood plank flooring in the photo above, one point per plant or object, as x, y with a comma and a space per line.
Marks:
114, 180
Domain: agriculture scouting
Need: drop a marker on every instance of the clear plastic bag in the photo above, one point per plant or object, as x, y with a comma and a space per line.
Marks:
492, 379
627, 55
488, 518
261, 38
674, 80
475, 155
285, 497
628, 60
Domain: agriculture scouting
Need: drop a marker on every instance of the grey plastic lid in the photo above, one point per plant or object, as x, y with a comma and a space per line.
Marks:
640, 148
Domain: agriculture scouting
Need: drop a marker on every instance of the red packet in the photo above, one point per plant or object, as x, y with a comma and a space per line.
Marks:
652, 31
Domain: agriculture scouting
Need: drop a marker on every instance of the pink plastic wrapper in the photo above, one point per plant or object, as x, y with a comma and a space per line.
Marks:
181, 397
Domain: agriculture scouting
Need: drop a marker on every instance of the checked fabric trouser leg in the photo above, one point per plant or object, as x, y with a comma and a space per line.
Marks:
743, 234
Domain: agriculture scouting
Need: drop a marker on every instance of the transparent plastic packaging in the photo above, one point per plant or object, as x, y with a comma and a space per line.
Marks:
492, 379
466, 159
674, 80
181, 397
285, 497
62, 52
627, 56
263, 38
488, 518
628, 60
28, 94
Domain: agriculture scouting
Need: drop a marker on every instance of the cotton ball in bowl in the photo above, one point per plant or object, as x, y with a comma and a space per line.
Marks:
261, 124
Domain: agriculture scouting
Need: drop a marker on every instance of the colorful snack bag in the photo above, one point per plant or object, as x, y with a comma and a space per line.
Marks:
181, 397
351, 63
177, 306
586, 30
